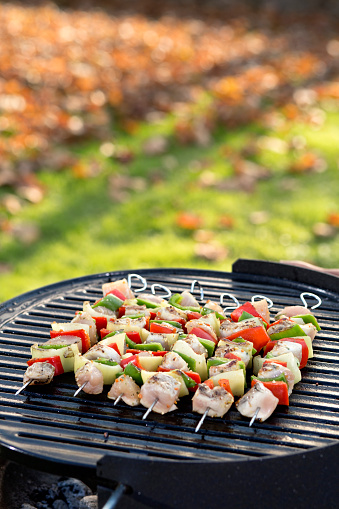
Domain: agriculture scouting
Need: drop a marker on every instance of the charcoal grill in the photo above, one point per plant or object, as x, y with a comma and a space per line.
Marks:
162, 462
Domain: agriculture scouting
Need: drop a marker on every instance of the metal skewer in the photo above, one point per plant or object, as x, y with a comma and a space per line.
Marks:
309, 294
23, 387
80, 389
137, 276
149, 410
118, 399
254, 416
200, 423
268, 300
196, 282
232, 297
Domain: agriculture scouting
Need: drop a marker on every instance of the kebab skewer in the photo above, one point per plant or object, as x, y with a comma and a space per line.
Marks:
184, 307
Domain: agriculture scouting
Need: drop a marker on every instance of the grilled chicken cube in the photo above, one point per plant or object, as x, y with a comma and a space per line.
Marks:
134, 309
154, 337
170, 313
290, 311
197, 347
281, 325
215, 307
228, 328
257, 397
187, 300
261, 306
274, 370
102, 352
232, 365
282, 347
121, 285
39, 373
66, 340
217, 401
92, 377
163, 388
149, 297
86, 318
173, 360
127, 388
242, 350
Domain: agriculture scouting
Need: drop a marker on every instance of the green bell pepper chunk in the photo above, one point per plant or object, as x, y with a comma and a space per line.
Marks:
216, 362
110, 301
154, 347
309, 319
52, 347
134, 372
170, 322
112, 334
292, 332
209, 345
192, 363
106, 362
244, 316
280, 378
147, 303
207, 311
175, 300
189, 382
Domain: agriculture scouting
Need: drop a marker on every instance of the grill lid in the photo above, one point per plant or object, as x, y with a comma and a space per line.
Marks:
46, 425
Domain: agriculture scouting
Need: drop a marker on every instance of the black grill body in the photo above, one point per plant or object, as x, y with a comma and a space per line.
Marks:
290, 455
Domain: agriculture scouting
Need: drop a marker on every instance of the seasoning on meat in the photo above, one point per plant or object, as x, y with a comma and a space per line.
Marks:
125, 388
90, 378
257, 397
173, 360
164, 389
217, 401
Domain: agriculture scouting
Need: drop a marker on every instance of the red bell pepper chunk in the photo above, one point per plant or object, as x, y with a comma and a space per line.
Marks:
55, 361
193, 315
121, 311
304, 349
134, 336
118, 294
257, 335
201, 333
225, 383
101, 322
195, 377
160, 368
162, 328
115, 347
232, 356
134, 359
247, 307
104, 332
209, 383
279, 390
269, 361
160, 353
80, 333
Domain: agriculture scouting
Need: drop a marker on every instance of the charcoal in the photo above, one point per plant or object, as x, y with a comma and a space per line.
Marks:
44, 496
59, 504
72, 491
89, 502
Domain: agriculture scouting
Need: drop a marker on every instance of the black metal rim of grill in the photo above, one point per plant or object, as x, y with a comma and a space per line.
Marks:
46, 426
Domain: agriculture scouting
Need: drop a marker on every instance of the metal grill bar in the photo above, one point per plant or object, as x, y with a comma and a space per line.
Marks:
49, 422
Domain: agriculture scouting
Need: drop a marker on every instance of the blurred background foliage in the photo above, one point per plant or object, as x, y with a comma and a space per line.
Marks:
166, 134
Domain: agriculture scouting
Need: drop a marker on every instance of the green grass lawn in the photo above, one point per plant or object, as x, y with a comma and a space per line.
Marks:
83, 230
